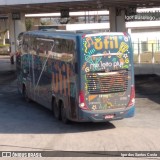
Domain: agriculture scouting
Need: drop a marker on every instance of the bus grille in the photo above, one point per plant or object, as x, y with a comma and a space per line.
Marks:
110, 82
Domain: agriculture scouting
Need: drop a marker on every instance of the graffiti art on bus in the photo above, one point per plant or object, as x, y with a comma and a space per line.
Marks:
63, 83
107, 53
96, 49
106, 101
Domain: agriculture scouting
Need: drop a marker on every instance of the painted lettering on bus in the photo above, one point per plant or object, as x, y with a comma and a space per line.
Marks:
107, 43
61, 79
92, 44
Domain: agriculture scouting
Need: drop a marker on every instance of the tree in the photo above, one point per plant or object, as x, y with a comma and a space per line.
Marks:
29, 24
3, 36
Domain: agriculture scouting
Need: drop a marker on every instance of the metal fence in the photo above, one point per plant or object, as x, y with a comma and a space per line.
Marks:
145, 52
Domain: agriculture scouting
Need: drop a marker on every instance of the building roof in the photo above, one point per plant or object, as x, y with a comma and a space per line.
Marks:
48, 6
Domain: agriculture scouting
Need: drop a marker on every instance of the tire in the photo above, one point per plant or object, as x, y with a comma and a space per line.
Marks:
64, 114
25, 95
56, 110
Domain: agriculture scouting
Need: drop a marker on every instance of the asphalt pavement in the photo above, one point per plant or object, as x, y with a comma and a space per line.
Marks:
5, 64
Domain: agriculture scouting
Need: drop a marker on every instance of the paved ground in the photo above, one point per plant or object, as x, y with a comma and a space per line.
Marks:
5, 64
30, 127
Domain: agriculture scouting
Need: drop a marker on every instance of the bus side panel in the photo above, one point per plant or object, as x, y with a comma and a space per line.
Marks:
64, 80
131, 112
43, 79
64, 86
78, 68
23, 76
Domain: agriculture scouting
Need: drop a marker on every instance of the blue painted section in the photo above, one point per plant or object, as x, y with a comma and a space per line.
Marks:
130, 112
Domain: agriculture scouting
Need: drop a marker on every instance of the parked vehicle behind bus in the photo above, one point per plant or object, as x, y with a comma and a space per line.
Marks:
80, 76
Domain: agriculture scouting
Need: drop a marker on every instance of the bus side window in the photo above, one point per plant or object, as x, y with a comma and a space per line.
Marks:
32, 45
25, 44
70, 50
49, 46
63, 49
67, 50
41, 48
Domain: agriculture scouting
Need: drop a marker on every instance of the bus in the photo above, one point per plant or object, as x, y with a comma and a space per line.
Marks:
82, 76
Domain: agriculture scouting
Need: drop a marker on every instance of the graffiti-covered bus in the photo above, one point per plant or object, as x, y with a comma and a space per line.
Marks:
80, 76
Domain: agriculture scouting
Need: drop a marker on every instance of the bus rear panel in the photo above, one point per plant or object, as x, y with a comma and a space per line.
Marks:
107, 82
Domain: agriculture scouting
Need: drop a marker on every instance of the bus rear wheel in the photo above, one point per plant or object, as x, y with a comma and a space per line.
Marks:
63, 114
56, 110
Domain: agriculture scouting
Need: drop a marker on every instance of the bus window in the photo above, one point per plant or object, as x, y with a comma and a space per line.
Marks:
63, 49
25, 43
41, 48
33, 45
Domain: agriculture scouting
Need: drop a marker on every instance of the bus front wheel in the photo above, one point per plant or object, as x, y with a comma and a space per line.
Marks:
25, 94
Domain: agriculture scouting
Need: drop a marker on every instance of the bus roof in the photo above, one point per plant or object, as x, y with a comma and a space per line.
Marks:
56, 33
52, 32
